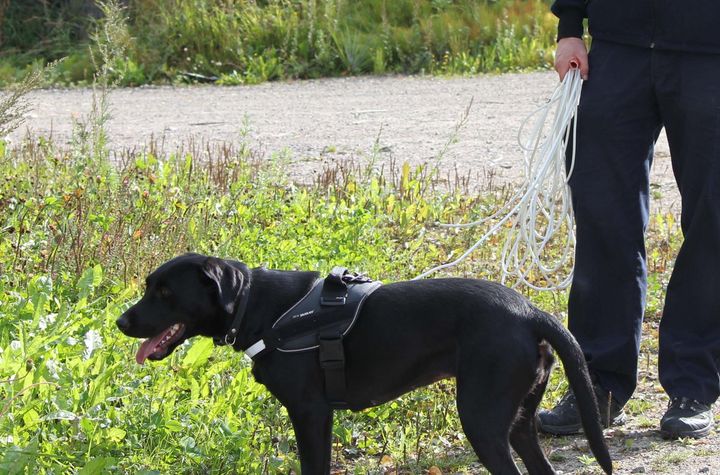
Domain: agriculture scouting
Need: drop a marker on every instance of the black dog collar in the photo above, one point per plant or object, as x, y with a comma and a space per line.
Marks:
240, 308
339, 289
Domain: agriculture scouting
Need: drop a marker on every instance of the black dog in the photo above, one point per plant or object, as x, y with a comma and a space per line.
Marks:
408, 335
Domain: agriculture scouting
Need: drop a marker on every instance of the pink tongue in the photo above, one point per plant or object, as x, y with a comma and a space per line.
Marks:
148, 347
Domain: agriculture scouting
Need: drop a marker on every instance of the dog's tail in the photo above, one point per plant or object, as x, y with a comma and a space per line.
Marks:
567, 348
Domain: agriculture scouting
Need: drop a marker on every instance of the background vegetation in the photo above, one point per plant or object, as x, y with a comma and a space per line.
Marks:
80, 227
77, 237
249, 41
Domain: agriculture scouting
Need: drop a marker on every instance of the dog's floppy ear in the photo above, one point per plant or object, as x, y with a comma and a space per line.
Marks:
227, 279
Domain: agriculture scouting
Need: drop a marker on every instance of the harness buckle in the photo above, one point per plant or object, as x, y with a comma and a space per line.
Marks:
332, 354
333, 301
335, 290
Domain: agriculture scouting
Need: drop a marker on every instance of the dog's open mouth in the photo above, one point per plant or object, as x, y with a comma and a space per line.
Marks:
157, 347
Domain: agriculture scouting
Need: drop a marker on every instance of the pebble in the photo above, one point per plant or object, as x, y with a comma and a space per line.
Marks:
639, 469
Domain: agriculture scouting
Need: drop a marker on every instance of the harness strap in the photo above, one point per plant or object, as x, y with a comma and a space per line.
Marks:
332, 362
334, 292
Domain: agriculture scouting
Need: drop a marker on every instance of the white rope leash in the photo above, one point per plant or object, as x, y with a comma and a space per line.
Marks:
542, 205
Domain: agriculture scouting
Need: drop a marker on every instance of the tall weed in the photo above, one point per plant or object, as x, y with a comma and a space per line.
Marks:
246, 41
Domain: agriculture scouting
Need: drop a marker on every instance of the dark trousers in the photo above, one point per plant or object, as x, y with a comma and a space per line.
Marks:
630, 95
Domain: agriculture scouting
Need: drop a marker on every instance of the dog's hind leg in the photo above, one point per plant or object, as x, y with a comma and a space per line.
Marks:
313, 432
488, 399
523, 435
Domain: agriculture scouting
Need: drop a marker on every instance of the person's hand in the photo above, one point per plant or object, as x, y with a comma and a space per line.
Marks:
571, 52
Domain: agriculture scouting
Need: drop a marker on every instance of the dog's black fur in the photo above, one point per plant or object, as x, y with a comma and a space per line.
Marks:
408, 335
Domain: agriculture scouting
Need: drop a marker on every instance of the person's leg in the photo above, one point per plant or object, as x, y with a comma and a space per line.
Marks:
618, 124
617, 128
688, 92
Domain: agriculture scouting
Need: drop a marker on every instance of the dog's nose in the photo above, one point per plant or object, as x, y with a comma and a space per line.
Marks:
123, 322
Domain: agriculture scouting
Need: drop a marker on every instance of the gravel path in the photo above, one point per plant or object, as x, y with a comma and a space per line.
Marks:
412, 119
336, 119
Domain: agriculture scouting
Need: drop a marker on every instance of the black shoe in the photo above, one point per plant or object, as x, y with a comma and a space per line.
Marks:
564, 418
686, 417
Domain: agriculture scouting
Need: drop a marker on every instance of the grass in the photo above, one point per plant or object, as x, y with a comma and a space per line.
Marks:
79, 230
241, 42
670, 461
79, 235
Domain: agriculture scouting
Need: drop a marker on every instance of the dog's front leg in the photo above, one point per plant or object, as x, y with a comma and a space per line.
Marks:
313, 431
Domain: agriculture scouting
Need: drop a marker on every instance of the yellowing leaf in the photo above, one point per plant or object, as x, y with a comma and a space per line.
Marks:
30, 417
116, 434
405, 175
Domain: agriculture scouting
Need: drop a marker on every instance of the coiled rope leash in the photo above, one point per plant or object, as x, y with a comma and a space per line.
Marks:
542, 205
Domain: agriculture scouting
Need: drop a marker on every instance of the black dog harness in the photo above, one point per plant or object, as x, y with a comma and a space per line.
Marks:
319, 320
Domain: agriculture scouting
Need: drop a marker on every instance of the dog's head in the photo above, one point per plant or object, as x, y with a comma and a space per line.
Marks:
187, 296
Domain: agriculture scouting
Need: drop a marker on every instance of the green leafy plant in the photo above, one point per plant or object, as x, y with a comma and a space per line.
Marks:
77, 238
246, 41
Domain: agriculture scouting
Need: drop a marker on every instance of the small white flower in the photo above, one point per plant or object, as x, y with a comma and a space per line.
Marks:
53, 368
92, 342
15, 345
46, 320
71, 341
46, 282
29, 244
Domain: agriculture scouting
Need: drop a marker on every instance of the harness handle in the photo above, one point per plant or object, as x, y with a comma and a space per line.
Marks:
334, 291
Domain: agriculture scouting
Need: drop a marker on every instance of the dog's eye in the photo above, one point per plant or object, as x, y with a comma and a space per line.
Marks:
165, 292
